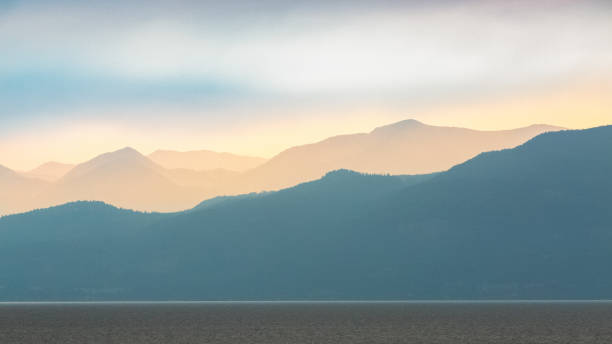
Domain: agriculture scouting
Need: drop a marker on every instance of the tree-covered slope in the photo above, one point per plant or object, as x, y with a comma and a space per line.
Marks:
534, 221
70, 251
529, 222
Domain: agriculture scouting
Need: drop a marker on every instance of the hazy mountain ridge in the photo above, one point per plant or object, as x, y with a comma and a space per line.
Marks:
204, 160
129, 179
49, 171
20, 192
124, 178
528, 222
406, 147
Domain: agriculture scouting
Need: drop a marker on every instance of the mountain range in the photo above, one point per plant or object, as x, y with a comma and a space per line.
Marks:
49, 171
173, 181
531, 222
406, 147
204, 160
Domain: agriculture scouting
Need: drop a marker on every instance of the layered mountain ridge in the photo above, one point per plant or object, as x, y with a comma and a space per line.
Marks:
49, 171
531, 222
172, 181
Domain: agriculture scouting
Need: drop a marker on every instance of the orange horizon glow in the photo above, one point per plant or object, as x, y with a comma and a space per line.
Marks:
274, 75
79, 142
578, 107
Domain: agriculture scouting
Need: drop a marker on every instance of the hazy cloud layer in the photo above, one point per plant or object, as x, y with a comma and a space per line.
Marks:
60, 58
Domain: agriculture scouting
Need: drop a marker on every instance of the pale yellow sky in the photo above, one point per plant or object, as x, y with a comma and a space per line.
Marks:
255, 78
580, 106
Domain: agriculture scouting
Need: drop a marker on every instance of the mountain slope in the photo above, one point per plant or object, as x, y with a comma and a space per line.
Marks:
80, 248
96, 251
204, 160
19, 193
128, 179
406, 147
123, 178
50, 171
530, 222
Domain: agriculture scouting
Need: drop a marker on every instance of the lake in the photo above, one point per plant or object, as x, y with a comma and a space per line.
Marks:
307, 322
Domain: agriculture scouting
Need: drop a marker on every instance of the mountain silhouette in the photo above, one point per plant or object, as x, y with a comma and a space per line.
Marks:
18, 192
126, 178
204, 160
406, 147
123, 178
530, 222
49, 171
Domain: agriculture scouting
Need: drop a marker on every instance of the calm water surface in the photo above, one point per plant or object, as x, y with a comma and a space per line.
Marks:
397, 322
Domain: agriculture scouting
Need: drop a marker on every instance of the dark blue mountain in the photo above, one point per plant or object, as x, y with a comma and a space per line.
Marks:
530, 222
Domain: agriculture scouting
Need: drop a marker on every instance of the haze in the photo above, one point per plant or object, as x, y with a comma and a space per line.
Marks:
80, 79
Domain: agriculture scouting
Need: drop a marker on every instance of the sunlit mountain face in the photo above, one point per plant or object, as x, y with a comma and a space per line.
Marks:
79, 79
167, 181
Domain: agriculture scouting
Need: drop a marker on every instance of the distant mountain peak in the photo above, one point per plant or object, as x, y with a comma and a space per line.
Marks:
5, 170
342, 172
127, 150
119, 160
51, 164
545, 127
121, 154
49, 171
407, 122
203, 159
401, 125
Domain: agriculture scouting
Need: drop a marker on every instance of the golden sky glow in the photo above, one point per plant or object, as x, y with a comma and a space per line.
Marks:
580, 106
255, 78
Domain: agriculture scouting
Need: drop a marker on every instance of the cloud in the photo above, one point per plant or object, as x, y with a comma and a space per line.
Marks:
206, 66
385, 49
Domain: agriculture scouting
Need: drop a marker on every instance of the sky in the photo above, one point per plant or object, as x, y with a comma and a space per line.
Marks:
81, 78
